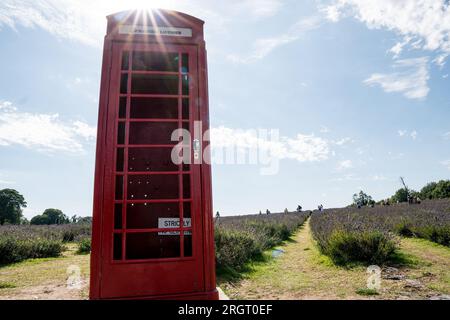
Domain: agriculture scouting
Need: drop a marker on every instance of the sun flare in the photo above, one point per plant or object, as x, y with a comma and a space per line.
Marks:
151, 4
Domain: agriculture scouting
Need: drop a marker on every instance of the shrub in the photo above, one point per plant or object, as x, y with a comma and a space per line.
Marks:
404, 229
366, 247
84, 246
15, 250
234, 248
438, 234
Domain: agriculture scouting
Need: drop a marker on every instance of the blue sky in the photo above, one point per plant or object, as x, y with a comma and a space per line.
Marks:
359, 91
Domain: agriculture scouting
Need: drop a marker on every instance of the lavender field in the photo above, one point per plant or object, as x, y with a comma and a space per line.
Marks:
238, 239
370, 234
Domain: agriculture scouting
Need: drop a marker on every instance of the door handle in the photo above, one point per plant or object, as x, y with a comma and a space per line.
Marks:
196, 148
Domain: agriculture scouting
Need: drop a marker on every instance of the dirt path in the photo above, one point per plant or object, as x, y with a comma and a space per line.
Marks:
303, 273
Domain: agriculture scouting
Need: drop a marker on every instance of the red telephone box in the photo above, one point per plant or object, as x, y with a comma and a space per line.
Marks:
152, 232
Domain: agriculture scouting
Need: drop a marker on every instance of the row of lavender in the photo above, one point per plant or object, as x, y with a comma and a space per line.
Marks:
370, 235
239, 239
20, 242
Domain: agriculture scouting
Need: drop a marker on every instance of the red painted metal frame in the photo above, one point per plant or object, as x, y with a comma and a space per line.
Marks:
150, 279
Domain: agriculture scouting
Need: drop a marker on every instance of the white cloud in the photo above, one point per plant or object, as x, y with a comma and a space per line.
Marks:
401, 133
7, 182
262, 47
259, 8
324, 129
332, 13
395, 156
347, 177
441, 59
446, 163
396, 49
405, 133
84, 130
344, 165
343, 141
410, 79
378, 178
302, 148
43, 132
425, 24
64, 18
446, 135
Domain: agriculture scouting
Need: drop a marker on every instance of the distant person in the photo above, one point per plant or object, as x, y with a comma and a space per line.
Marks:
217, 216
267, 211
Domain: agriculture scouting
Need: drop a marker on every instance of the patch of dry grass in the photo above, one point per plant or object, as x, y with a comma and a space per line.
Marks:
44, 278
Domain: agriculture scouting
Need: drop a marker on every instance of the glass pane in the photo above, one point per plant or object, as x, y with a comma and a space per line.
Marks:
118, 216
125, 59
117, 246
147, 215
156, 108
185, 63
152, 245
185, 79
146, 187
154, 84
155, 61
124, 83
150, 159
186, 186
121, 133
185, 108
123, 107
152, 133
186, 210
119, 161
119, 187
187, 243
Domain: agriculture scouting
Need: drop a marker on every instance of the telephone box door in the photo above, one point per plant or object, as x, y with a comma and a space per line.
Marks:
152, 223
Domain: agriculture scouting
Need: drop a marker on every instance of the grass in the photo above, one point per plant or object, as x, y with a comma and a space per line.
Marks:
6, 285
367, 292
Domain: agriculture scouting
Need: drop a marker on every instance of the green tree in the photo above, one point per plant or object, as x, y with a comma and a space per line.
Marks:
362, 199
401, 195
427, 191
442, 190
50, 216
39, 220
11, 204
84, 220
